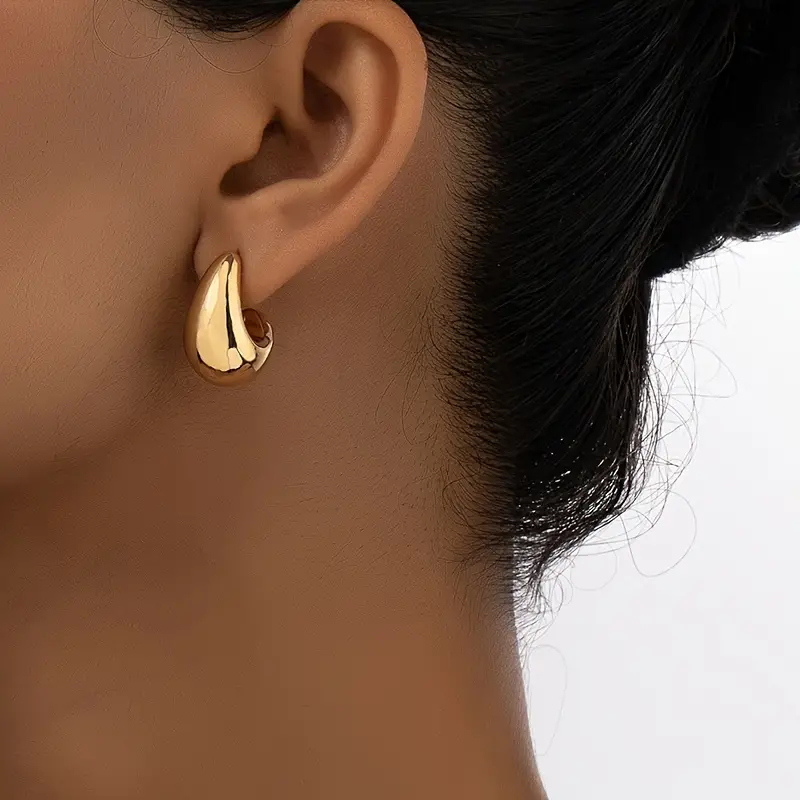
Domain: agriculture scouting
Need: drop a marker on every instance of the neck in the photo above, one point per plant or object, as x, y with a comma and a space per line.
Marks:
191, 620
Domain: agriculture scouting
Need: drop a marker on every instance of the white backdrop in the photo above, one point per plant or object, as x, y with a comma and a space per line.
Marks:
669, 666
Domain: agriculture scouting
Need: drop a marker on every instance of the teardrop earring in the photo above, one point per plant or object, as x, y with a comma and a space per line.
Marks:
225, 344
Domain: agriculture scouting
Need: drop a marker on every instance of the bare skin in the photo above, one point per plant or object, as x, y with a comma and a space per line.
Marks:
211, 593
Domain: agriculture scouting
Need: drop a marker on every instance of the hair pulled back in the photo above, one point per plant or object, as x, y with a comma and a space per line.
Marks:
609, 142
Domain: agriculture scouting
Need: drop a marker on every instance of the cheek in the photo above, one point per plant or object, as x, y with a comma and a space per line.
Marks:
85, 260
79, 332
35, 127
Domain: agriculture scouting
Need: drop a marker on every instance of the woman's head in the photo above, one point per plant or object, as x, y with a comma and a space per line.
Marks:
136, 151
496, 184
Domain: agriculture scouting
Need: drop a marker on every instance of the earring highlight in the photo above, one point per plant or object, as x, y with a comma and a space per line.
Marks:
225, 344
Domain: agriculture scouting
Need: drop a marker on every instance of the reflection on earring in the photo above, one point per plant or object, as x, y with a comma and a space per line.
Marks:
225, 344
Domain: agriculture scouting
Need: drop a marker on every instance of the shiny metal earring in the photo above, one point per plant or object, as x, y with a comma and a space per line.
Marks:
225, 344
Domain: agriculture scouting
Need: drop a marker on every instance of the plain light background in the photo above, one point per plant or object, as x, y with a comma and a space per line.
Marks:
668, 666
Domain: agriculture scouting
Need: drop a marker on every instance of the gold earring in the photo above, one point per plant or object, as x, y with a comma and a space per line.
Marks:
225, 344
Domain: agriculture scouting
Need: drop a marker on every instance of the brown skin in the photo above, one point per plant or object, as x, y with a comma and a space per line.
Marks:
205, 592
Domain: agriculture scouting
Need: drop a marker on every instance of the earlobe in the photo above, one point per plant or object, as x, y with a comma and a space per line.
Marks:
348, 88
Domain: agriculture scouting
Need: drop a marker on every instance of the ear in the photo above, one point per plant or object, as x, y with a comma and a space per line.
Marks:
342, 85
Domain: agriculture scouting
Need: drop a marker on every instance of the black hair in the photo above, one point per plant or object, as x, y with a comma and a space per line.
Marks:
607, 142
